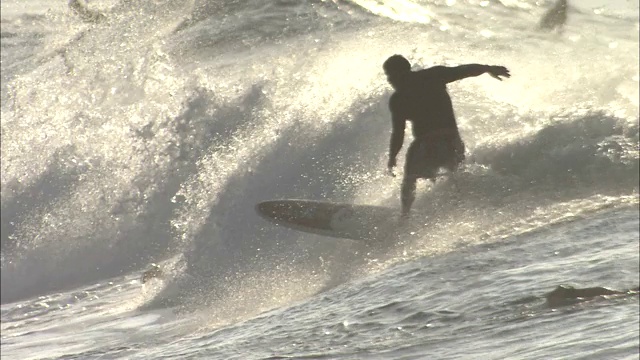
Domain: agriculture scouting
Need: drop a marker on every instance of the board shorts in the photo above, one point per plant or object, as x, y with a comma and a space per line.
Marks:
426, 155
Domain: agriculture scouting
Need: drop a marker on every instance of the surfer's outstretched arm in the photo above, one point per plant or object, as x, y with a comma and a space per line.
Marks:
451, 74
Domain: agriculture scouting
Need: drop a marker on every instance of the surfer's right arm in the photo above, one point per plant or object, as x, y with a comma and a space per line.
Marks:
450, 74
397, 134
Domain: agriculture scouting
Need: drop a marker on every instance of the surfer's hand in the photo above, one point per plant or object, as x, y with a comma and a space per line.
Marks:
497, 71
390, 165
391, 172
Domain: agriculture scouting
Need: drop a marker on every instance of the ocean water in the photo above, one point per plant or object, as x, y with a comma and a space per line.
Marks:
149, 137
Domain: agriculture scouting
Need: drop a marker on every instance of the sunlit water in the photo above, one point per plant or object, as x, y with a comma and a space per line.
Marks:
150, 136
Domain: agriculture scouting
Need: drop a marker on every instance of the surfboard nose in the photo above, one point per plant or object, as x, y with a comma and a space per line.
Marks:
288, 210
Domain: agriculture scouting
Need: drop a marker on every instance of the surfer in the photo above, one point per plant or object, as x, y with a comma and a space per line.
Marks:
421, 97
556, 17
566, 295
79, 7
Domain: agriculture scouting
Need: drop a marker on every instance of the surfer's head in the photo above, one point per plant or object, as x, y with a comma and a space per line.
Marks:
397, 67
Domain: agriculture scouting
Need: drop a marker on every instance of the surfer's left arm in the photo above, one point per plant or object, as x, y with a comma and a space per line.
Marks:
455, 73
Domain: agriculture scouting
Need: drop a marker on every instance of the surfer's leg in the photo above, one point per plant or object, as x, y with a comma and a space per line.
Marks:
451, 153
453, 158
413, 165
421, 163
408, 193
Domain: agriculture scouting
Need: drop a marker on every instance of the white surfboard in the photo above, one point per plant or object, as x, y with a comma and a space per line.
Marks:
350, 221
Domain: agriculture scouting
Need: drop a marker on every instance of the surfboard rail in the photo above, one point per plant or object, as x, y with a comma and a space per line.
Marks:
339, 220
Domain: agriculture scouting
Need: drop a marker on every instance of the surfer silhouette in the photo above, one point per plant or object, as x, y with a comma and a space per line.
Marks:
79, 8
422, 98
555, 18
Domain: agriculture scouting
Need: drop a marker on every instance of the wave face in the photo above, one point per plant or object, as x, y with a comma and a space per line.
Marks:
151, 135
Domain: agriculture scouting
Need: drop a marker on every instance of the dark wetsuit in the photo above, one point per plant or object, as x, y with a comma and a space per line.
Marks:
421, 97
427, 105
425, 102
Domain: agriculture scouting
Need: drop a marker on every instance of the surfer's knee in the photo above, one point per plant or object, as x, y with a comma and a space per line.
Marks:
408, 185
